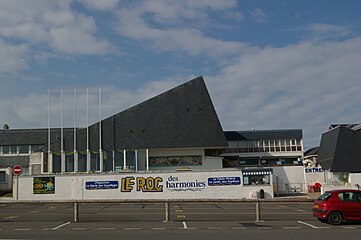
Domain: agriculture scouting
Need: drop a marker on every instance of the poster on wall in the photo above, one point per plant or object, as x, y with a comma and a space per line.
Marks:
43, 185
224, 181
96, 185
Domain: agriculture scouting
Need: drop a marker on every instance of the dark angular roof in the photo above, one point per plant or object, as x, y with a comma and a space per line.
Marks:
263, 134
183, 117
353, 126
339, 150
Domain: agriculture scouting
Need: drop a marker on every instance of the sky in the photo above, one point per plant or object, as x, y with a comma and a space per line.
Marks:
267, 64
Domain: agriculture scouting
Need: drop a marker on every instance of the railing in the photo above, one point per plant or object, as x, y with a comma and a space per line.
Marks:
166, 202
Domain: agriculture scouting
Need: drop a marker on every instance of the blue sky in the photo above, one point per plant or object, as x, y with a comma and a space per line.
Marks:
267, 64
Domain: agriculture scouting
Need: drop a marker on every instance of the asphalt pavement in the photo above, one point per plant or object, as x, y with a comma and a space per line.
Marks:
147, 221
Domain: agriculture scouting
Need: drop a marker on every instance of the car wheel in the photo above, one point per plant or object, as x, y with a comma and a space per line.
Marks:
334, 218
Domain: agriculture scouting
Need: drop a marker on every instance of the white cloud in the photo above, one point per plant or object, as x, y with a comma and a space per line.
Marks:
158, 24
305, 85
80, 42
12, 57
322, 31
53, 23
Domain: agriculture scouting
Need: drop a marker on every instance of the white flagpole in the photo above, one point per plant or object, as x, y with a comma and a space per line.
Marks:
76, 160
101, 156
87, 132
62, 152
50, 159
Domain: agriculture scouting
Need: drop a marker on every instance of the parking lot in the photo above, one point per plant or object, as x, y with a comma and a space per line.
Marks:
44, 220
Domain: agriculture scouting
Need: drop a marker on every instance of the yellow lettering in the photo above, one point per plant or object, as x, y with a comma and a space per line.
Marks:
150, 184
157, 185
127, 184
141, 184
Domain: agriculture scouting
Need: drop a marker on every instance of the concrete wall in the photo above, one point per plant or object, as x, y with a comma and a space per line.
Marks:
289, 178
172, 185
355, 178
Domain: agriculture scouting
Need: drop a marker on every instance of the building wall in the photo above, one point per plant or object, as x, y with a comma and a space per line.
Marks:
6, 181
171, 185
289, 179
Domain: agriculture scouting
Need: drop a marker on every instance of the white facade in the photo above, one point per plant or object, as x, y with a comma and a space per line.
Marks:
162, 186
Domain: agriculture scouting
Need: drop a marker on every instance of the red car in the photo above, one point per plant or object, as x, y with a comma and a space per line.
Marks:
338, 205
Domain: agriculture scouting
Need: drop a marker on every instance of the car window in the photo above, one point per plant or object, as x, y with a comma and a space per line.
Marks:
348, 196
324, 196
358, 194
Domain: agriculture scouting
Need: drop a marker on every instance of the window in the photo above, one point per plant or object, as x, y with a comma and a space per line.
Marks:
24, 149
348, 196
259, 179
6, 150
2, 176
34, 148
247, 162
13, 149
175, 161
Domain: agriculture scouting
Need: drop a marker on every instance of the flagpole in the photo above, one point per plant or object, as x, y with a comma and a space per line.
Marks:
76, 159
62, 152
50, 159
87, 132
101, 156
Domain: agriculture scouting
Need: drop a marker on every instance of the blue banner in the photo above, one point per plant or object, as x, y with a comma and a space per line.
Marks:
95, 185
224, 181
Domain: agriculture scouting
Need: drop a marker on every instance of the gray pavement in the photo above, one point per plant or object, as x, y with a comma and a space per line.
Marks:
146, 221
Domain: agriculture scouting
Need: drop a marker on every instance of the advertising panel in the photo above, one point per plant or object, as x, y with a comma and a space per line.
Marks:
96, 185
43, 185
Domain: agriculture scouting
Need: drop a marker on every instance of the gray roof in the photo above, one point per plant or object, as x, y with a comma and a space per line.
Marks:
339, 150
353, 126
263, 134
10, 161
183, 117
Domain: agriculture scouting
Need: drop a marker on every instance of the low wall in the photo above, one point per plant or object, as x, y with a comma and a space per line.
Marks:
172, 185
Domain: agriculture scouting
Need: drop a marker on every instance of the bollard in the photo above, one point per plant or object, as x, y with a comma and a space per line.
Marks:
258, 211
167, 212
76, 212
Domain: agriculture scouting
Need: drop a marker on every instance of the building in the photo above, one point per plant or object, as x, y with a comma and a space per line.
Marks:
176, 130
278, 150
339, 154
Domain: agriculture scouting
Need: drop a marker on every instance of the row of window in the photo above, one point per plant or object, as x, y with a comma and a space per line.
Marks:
21, 149
284, 145
235, 162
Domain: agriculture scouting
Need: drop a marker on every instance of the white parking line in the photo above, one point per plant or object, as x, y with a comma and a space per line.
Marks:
22, 229
185, 225
307, 224
62, 225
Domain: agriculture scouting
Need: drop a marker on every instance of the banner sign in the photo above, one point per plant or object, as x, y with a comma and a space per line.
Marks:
43, 185
224, 181
312, 170
96, 185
